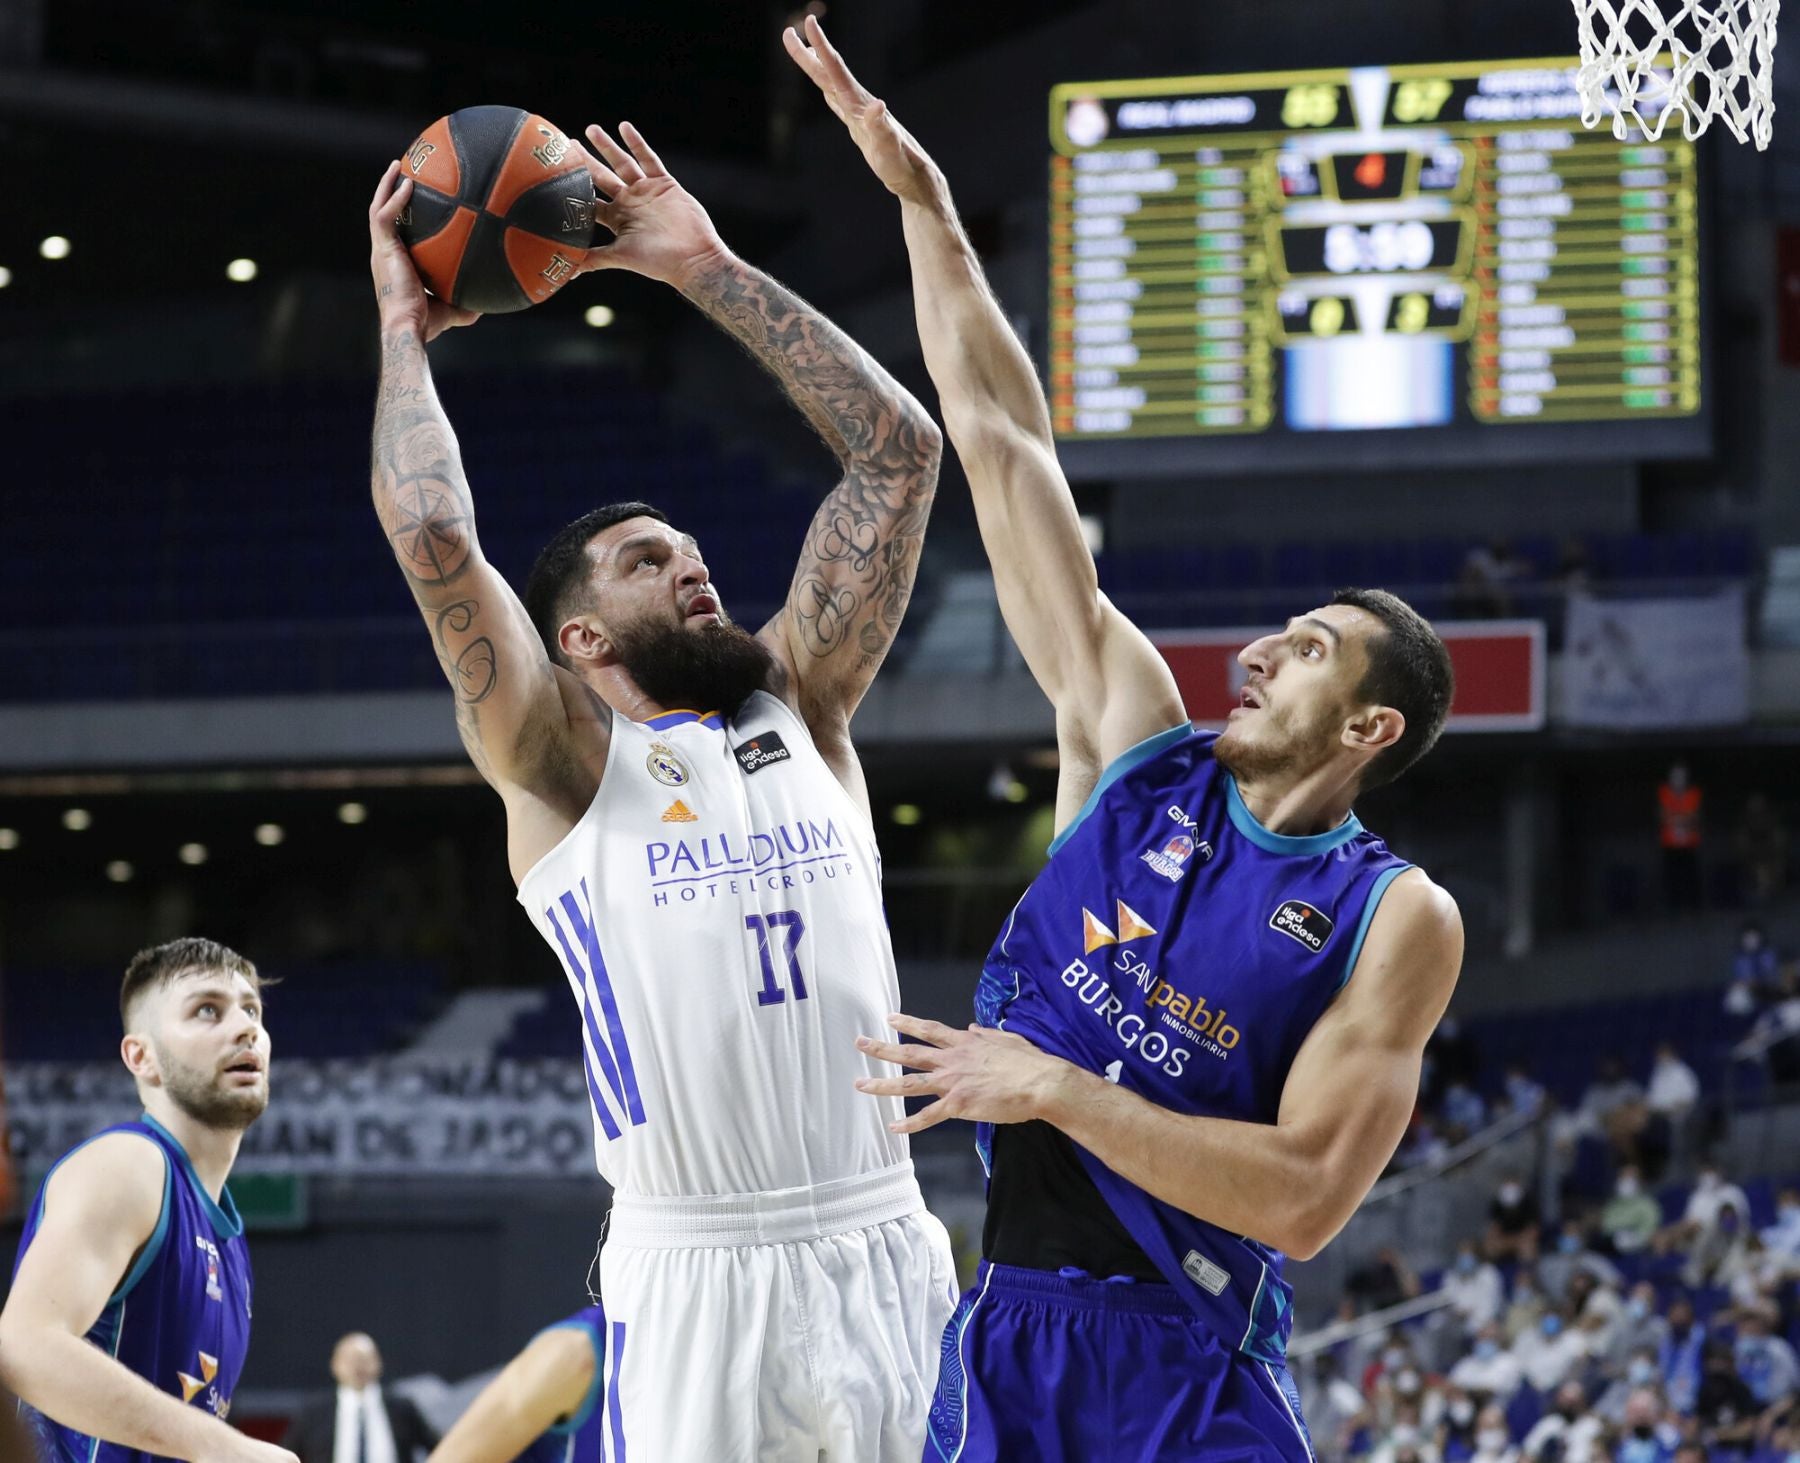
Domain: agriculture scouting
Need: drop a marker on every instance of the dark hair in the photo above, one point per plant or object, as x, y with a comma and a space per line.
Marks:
562, 565
160, 964
1409, 669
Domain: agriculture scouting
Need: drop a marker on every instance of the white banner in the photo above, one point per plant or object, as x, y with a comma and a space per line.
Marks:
400, 1115
1640, 664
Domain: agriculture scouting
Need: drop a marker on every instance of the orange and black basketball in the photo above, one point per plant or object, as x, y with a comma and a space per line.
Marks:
502, 208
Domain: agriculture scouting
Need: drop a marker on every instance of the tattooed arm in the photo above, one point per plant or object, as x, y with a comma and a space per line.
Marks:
856, 569
530, 727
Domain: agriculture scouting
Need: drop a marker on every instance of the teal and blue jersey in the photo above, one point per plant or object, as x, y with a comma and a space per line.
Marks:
1179, 948
180, 1318
578, 1438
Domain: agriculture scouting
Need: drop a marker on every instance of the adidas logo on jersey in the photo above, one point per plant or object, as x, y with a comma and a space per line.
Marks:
679, 812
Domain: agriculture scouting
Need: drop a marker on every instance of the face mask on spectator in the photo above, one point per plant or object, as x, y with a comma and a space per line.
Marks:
1487, 1347
1510, 1194
1407, 1384
1465, 1263
1728, 1222
1788, 1212
1569, 1244
1551, 1324
1641, 1372
1708, 1182
1492, 1439
1637, 1308
1392, 1357
1628, 1187
1462, 1412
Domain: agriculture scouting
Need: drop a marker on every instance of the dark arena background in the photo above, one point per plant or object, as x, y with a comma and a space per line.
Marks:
1543, 383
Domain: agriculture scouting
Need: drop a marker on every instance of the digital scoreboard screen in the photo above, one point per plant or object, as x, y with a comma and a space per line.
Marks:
1439, 258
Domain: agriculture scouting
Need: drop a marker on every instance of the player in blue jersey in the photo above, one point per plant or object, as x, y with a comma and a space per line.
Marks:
1200, 1031
547, 1405
129, 1316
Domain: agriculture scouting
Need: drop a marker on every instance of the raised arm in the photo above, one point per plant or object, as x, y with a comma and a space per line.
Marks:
531, 729
1110, 687
856, 569
100, 1210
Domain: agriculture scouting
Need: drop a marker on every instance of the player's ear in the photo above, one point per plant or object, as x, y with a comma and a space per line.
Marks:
1374, 729
139, 1057
585, 642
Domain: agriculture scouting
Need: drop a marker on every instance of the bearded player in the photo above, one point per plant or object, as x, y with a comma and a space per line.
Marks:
129, 1316
1200, 1031
689, 830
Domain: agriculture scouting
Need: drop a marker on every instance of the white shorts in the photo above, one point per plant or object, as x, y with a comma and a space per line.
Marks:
800, 1326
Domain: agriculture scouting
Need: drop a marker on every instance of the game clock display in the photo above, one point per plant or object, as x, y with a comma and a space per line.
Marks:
1442, 252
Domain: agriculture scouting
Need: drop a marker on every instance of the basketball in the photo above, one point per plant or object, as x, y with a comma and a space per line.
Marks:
502, 209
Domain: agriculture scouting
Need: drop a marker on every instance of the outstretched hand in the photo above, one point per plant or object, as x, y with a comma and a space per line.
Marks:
890, 150
981, 1074
659, 229
399, 293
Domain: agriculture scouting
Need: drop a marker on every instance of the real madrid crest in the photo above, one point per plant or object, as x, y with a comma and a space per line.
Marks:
665, 766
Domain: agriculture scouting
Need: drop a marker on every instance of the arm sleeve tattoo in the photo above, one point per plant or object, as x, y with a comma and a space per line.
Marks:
856, 570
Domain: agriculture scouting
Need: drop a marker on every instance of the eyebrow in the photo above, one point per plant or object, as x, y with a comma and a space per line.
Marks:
655, 540
1325, 625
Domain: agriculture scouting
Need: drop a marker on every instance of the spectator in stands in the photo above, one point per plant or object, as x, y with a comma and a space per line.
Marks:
1336, 1409
1755, 961
1673, 1089
1725, 1405
1761, 841
1514, 1222
1648, 1435
1405, 1436
1647, 1131
1570, 1256
1490, 1372
1711, 1195
1611, 1090
1597, 1310
1551, 1352
1574, 569
1523, 1094
1493, 1439
1783, 1236
1722, 1250
1775, 1039
1464, 1111
1569, 1432
1475, 1289
1526, 1307
1631, 1217
1765, 1361
1385, 1281
1678, 1355
1483, 586
1639, 1373
1678, 803
1456, 1428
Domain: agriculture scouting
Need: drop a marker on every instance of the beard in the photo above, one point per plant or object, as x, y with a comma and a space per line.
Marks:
200, 1095
1278, 747
714, 667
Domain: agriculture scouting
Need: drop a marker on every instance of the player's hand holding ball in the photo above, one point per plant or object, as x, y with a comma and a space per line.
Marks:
889, 149
659, 229
399, 295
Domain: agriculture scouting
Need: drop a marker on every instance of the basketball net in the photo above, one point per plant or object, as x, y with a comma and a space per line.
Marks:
1707, 59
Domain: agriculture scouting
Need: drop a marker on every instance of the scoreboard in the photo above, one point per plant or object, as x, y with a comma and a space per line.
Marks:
1437, 255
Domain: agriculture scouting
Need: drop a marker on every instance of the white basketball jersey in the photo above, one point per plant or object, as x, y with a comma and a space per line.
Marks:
718, 913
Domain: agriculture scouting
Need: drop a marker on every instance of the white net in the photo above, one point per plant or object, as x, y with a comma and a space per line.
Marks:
1707, 59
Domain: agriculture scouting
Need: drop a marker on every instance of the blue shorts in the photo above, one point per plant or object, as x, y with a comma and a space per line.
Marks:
1063, 1368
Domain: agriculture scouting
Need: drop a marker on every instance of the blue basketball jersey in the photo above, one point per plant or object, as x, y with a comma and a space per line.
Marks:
577, 1438
1181, 949
181, 1318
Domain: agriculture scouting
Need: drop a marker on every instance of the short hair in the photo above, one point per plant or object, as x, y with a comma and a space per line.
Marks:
1409, 669
562, 565
161, 964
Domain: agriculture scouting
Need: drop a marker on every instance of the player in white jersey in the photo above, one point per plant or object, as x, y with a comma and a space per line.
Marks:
689, 829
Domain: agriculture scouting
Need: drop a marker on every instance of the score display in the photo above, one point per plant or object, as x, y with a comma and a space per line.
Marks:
1441, 257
